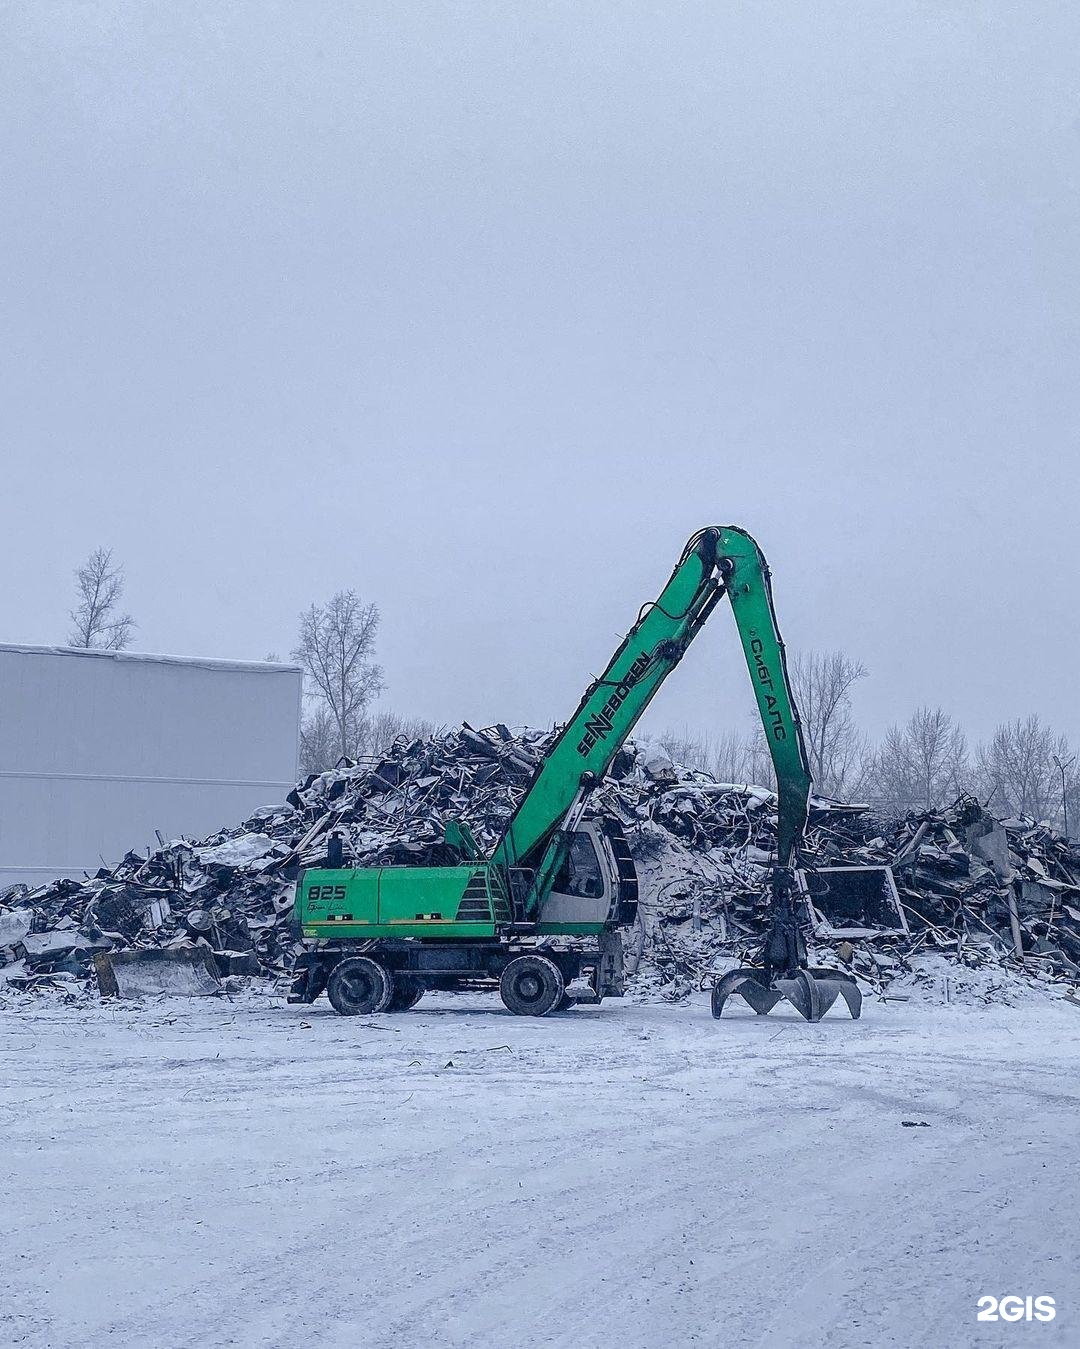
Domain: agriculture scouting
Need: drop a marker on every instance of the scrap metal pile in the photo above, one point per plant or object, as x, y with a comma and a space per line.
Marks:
233, 891
878, 892
955, 882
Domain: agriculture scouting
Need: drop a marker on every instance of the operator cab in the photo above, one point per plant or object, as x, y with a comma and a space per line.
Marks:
597, 883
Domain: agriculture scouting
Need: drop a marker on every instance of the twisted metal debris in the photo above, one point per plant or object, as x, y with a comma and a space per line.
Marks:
968, 886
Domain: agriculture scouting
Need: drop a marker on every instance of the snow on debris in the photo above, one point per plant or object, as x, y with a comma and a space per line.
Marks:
966, 886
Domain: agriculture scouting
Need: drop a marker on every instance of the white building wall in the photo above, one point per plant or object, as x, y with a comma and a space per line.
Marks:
100, 749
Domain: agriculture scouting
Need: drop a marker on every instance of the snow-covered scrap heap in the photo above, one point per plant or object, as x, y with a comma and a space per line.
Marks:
233, 891
958, 881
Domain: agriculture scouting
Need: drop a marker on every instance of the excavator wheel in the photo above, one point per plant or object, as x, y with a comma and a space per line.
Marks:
810, 991
359, 986
406, 993
532, 986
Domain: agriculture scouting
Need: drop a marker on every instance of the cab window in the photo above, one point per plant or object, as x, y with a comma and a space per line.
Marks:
580, 874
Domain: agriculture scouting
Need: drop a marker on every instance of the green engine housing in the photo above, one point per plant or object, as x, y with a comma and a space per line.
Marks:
595, 890
457, 902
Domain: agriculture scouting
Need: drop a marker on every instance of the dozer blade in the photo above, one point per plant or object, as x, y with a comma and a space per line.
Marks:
185, 972
811, 991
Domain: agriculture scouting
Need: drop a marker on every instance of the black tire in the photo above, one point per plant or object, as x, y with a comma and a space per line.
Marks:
359, 986
531, 986
406, 993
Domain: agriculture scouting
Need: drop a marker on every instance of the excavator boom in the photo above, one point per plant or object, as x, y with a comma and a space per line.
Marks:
715, 561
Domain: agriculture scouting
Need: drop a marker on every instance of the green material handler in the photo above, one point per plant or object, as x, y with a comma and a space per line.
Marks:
541, 918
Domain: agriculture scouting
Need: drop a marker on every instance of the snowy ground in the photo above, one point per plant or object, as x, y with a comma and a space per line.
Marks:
213, 1173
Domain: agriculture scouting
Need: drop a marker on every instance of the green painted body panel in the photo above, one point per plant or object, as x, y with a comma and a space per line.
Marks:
432, 902
749, 589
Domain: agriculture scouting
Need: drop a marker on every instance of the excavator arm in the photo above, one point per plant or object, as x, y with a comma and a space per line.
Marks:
715, 562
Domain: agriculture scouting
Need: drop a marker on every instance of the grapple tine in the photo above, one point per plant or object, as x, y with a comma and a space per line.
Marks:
810, 991
784, 972
810, 997
749, 986
844, 985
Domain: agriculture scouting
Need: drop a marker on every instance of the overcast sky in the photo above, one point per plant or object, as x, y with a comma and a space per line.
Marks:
483, 309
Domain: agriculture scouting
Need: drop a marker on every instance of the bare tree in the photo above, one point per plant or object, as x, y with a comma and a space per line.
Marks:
840, 758
337, 642
379, 731
1068, 787
100, 587
319, 749
734, 757
920, 766
728, 756
687, 748
1018, 772
838, 753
